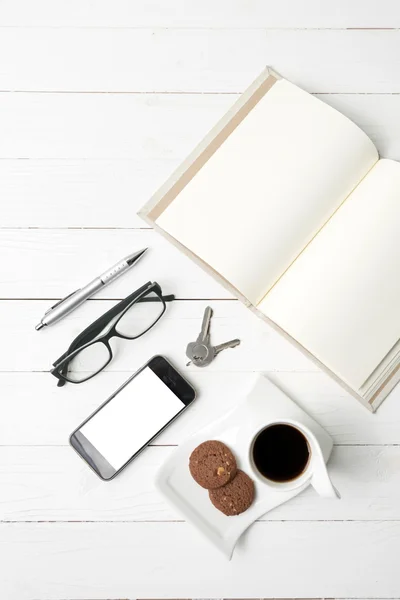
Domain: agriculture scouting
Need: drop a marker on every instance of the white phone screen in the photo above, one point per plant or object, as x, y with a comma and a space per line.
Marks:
132, 418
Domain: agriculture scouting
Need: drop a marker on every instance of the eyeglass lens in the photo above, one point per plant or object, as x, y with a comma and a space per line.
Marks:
88, 361
140, 316
137, 319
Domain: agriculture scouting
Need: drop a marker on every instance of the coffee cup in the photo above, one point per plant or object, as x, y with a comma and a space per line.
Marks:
286, 455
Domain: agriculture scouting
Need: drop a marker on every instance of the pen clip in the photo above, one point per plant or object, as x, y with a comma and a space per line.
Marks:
60, 301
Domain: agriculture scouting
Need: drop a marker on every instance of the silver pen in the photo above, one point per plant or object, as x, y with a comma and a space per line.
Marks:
69, 303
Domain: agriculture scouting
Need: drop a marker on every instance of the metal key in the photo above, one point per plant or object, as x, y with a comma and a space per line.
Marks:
204, 335
205, 354
225, 345
200, 352
200, 349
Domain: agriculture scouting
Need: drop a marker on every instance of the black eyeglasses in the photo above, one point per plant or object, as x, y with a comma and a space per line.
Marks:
90, 351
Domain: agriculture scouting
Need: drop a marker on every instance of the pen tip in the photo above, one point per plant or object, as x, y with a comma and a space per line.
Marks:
135, 256
39, 326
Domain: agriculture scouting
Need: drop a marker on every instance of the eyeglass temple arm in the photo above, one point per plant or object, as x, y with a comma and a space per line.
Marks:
168, 298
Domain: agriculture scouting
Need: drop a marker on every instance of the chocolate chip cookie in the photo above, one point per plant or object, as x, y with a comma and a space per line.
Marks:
212, 465
235, 497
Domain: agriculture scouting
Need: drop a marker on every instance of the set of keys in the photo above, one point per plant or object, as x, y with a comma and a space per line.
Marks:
200, 352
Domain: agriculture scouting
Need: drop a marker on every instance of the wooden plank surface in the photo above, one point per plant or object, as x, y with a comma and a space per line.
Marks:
151, 126
105, 125
63, 560
101, 249
90, 193
130, 145
257, 14
197, 60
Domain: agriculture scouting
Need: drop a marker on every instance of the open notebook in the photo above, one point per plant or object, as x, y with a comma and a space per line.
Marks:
302, 222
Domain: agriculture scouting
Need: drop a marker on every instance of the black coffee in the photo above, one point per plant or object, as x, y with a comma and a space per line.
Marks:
281, 453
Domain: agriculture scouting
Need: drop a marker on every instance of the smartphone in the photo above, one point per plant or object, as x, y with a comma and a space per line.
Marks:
132, 417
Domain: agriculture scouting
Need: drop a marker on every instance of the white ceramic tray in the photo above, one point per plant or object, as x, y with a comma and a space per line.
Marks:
265, 403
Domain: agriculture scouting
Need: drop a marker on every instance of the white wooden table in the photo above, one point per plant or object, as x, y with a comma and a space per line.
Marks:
99, 102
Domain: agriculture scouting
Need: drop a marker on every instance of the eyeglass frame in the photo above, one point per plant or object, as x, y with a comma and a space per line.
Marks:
140, 295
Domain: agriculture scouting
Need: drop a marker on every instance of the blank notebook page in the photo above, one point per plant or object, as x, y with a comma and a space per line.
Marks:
267, 190
341, 297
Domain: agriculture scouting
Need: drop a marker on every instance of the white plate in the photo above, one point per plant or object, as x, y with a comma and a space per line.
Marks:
265, 403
